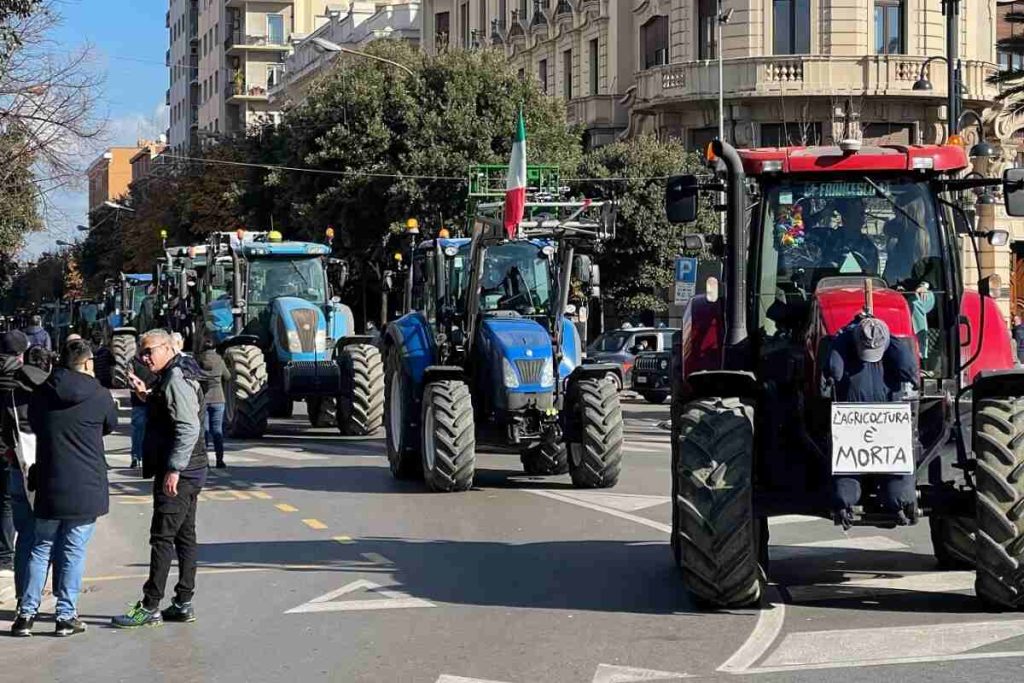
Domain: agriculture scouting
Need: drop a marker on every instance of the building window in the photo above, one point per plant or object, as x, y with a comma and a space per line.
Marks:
542, 74
275, 29
482, 10
790, 134
707, 45
442, 30
791, 23
522, 74
594, 65
701, 137
567, 74
464, 23
889, 27
654, 42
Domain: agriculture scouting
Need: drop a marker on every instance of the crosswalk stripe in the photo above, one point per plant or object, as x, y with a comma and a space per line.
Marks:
297, 456
797, 550
928, 582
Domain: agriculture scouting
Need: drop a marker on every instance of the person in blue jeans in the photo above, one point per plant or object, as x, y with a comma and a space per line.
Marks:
217, 376
70, 414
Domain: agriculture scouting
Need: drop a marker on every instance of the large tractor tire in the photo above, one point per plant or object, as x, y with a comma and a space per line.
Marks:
953, 541
361, 412
718, 543
103, 362
545, 458
595, 459
123, 349
449, 436
247, 404
402, 438
999, 480
322, 412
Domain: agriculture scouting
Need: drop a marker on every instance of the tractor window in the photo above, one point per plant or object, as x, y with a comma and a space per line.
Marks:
270, 278
851, 226
424, 297
517, 278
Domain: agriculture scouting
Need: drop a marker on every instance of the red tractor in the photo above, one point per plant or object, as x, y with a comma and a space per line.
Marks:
817, 239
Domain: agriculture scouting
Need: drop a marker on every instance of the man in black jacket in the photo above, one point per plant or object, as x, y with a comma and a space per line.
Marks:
70, 414
174, 454
12, 348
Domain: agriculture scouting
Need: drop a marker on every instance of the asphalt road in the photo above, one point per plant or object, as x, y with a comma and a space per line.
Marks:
316, 565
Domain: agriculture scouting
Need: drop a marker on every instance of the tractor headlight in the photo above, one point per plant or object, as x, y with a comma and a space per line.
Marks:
547, 374
511, 378
664, 364
294, 343
320, 340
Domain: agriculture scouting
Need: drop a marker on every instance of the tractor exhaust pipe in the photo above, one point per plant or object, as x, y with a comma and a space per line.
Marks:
736, 237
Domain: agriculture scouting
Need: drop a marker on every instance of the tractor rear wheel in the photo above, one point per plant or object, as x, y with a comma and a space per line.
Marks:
122, 348
361, 412
595, 459
545, 458
999, 480
953, 541
401, 437
322, 411
449, 436
247, 399
280, 405
716, 539
103, 361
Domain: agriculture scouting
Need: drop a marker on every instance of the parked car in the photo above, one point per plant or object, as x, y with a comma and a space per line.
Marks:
621, 347
651, 375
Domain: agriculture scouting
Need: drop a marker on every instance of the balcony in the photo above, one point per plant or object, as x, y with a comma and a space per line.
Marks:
597, 111
806, 75
167, 97
238, 42
237, 93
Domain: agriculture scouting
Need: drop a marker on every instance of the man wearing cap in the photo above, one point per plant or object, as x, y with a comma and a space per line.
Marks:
866, 365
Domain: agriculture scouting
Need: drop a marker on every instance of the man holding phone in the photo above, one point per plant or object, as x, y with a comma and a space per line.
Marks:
174, 454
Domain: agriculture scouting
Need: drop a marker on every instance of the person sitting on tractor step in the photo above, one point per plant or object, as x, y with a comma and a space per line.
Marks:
867, 365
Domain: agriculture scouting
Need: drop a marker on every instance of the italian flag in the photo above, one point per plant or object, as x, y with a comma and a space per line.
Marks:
515, 183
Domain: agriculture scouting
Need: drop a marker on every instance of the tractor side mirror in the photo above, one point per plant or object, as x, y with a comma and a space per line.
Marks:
218, 277
388, 280
339, 271
991, 286
681, 199
1013, 191
582, 266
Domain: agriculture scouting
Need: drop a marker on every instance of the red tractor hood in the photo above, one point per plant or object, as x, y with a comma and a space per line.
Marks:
838, 306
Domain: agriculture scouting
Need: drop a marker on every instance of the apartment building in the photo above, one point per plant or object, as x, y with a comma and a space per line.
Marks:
148, 159
353, 27
111, 174
182, 21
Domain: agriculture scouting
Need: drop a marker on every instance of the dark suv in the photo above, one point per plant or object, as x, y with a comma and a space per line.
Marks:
622, 346
651, 377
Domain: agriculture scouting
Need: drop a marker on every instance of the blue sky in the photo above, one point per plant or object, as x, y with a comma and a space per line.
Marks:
129, 40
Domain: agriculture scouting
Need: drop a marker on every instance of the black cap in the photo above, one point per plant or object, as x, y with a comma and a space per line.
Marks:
13, 343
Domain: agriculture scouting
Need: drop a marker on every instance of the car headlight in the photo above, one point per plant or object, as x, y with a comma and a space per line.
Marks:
509, 372
547, 374
320, 341
294, 344
664, 364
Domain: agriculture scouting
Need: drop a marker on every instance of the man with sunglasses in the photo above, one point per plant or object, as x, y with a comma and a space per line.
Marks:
174, 454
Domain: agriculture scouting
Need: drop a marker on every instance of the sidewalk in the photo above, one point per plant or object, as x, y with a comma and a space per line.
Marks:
6, 588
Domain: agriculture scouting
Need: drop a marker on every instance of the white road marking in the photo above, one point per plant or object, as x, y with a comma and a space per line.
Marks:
793, 519
625, 502
375, 558
327, 602
796, 550
608, 673
283, 454
889, 645
445, 678
766, 630
600, 508
930, 582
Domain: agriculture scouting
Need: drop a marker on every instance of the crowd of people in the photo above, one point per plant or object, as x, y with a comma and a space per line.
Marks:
54, 414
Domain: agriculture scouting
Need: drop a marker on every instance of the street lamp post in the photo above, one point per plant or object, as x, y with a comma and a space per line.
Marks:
60, 296
327, 46
722, 18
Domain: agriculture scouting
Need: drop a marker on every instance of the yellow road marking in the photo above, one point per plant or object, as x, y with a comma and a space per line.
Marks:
223, 495
262, 495
314, 524
344, 539
285, 507
134, 500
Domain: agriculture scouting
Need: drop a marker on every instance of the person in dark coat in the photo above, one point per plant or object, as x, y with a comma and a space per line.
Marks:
217, 376
1018, 337
17, 382
70, 414
37, 336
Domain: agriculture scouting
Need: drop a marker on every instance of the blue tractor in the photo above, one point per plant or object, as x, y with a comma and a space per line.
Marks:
487, 356
124, 301
268, 306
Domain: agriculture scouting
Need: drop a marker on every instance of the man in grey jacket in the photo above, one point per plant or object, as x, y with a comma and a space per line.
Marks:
174, 454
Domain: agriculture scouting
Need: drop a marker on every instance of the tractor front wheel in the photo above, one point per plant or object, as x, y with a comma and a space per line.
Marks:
449, 437
322, 411
280, 405
247, 400
545, 458
123, 349
595, 454
999, 480
361, 407
401, 438
716, 539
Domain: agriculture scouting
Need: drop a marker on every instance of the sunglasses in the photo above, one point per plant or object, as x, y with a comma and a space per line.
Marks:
148, 352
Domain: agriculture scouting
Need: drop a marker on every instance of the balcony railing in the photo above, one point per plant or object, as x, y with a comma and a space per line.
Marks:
245, 90
238, 39
807, 75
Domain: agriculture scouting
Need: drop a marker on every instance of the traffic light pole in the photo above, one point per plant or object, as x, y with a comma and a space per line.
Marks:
951, 10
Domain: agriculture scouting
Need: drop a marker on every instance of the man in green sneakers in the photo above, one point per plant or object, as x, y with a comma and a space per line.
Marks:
174, 454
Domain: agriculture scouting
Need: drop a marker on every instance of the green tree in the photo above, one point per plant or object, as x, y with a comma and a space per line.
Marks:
637, 266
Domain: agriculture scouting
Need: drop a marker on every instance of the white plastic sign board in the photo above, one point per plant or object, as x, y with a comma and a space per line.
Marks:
685, 280
872, 438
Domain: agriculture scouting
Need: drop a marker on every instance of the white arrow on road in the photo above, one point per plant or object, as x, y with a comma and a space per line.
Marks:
330, 603
606, 673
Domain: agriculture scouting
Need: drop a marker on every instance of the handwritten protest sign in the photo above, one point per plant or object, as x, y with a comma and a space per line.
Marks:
872, 438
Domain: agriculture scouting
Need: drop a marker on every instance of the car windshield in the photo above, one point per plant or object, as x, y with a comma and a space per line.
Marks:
516, 277
851, 226
611, 342
270, 278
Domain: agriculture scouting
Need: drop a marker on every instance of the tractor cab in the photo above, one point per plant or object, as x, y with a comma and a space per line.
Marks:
823, 244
